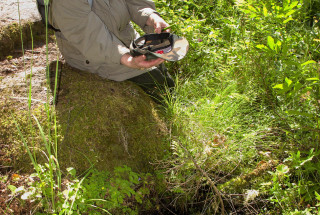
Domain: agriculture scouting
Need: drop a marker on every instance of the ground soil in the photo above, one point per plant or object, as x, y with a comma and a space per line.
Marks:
17, 67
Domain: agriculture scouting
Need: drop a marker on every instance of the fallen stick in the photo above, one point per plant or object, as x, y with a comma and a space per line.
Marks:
207, 176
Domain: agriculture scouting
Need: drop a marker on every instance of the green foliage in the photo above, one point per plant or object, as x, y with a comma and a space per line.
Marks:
248, 93
296, 182
245, 110
121, 192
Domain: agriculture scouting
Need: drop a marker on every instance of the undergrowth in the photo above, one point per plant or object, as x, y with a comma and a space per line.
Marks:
246, 107
244, 120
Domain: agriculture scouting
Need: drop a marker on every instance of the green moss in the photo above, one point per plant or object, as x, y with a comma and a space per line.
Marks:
100, 122
107, 123
11, 144
246, 181
10, 36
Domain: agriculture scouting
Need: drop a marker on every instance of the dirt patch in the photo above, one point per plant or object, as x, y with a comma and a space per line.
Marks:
16, 71
10, 203
18, 32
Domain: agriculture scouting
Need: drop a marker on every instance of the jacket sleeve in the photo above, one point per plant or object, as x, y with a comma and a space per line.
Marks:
140, 10
84, 29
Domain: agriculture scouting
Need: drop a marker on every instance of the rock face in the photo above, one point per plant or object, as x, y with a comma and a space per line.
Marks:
10, 9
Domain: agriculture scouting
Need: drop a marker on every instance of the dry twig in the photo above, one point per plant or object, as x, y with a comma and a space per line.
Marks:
205, 174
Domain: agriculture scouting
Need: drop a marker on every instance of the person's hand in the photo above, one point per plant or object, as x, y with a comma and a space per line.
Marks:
157, 22
139, 62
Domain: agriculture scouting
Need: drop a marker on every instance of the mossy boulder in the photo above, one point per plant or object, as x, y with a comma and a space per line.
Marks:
107, 123
100, 123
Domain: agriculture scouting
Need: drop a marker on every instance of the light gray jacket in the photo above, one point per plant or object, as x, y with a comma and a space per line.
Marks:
93, 38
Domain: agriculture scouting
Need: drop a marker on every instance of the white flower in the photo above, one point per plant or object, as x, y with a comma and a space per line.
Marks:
251, 195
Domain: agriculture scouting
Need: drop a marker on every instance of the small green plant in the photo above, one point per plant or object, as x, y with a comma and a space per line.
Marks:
99, 191
120, 192
295, 184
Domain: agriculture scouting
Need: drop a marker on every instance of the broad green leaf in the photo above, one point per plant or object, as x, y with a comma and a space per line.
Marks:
298, 154
252, 9
261, 46
265, 10
271, 42
297, 86
293, 4
287, 20
285, 4
12, 188
308, 62
71, 171
278, 86
280, 16
317, 195
288, 81
290, 13
312, 79
279, 43
278, 46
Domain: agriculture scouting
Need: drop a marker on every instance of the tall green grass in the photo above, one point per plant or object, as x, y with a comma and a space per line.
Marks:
50, 173
248, 96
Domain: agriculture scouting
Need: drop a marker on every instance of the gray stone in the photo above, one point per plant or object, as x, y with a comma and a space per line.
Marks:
9, 11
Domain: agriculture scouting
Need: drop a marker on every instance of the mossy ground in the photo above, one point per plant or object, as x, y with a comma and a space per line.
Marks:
100, 122
10, 36
107, 123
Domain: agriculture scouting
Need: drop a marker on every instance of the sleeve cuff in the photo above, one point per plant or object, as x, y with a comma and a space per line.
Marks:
121, 50
145, 13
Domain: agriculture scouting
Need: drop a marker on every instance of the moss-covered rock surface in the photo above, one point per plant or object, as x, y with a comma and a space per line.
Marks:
10, 36
107, 123
100, 123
